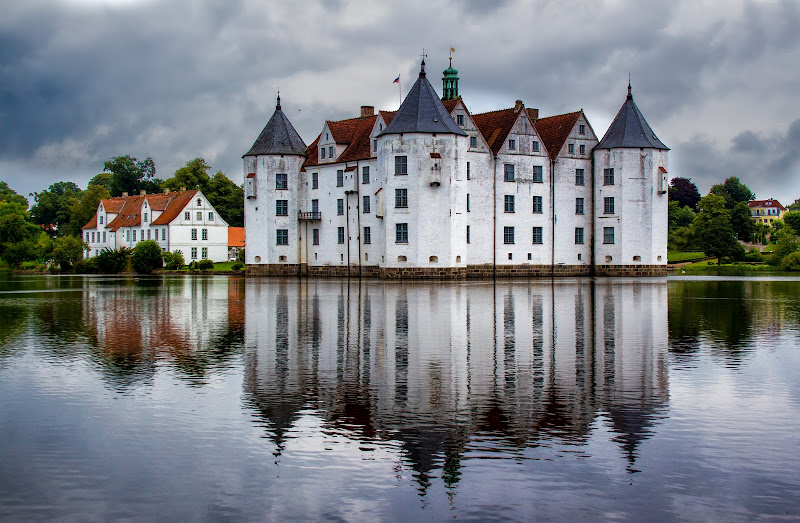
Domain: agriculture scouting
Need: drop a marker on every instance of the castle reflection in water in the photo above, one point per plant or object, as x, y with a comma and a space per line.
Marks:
437, 367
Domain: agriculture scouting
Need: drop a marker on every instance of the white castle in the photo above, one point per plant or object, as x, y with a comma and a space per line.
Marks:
432, 191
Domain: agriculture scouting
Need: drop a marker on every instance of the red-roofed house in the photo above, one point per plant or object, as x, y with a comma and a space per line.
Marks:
766, 211
179, 221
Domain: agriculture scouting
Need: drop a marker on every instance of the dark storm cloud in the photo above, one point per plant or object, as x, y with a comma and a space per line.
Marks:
83, 81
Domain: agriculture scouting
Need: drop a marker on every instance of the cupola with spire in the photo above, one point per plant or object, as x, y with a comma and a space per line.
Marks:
450, 82
278, 136
629, 129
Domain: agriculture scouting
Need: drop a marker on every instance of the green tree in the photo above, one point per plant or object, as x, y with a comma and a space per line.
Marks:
174, 260
713, 231
733, 191
131, 175
226, 197
7, 194
111, 261
15, 227
147, 256
85, 208
104, 179
67, 250
786, 245
16, 253
679, 216
741, 222
53, 206
792, 219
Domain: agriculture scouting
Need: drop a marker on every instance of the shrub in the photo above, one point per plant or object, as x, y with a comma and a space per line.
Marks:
174, 260
87, 266
791, 262
754, 255
111, 261
205, 265
238, 266
147, 256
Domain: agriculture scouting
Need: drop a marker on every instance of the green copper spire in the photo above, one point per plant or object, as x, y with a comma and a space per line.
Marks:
450, 83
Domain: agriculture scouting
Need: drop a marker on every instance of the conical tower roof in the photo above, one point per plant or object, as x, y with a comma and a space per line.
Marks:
630, 129
422, 112
278, 137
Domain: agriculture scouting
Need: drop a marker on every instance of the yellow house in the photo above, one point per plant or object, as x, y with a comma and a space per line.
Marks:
765, 211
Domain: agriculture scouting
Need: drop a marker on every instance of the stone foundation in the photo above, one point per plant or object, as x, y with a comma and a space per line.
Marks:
486, 271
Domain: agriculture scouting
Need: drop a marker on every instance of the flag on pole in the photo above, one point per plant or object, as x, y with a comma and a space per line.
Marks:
397, 80
452, 50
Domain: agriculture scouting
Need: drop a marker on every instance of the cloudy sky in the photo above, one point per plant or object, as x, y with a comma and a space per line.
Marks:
82, 81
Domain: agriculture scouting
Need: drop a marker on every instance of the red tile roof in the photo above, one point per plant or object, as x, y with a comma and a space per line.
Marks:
360, 148
495, 126
113, 205
129, 215
342, 130
450, 105
766, 203
92, 223
176, 204
355, 133
158, 202
554, 131
235, 236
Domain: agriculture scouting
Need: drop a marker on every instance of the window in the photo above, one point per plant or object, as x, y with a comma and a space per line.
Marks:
315, 236
87, 237
467, 202
282, 237
194, 234
473, 141
340, 234
608, 205
365, 205
581, 129
508, 172
340, 206
315, 205
508, 204
579, 177
186, 216
508, 235
282, 207
204, 252
578, 235
330, 151
537, 174
582, 149
104, 236
571, 148
281, 181
199, 202
194, 253
164, 234
365, 174
101, 220
145, 217
401, 198
608, 235
537, 205
460, 119
322, 153
537, 235
467, 233
578, 205
468, 173
367, 236
127, 235
535, 146
374, 145
401, 233
608, 176
315, 180
148, 235
203, 234
339, 178
400, 165
199, 216
92, 237
512, 145
211, 216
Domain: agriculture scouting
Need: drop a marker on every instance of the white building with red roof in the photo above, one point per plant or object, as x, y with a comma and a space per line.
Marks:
180, 220
432, 190
766, 211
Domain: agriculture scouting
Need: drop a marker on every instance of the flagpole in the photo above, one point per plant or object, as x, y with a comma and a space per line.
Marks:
399, 90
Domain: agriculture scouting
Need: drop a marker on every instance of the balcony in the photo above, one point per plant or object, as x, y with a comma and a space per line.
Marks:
309, 216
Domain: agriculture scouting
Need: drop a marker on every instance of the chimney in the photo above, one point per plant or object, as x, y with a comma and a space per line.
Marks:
125, 194
142, 192
367, 110
166, 190
518, 105
183, 190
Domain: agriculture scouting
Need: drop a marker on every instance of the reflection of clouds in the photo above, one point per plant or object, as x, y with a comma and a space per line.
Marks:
440, 367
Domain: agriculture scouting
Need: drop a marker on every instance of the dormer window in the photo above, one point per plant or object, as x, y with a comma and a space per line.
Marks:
375, 145
327, 137
330, 151
571, 148
460, 119
101, 219
145, 217
322, 153
380, 127
581, 129
199, 202
512, 145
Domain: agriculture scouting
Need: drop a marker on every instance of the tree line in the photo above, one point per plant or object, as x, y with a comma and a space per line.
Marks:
50, 228
720, 222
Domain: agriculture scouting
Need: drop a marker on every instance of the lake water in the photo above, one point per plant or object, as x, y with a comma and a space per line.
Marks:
214, 397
